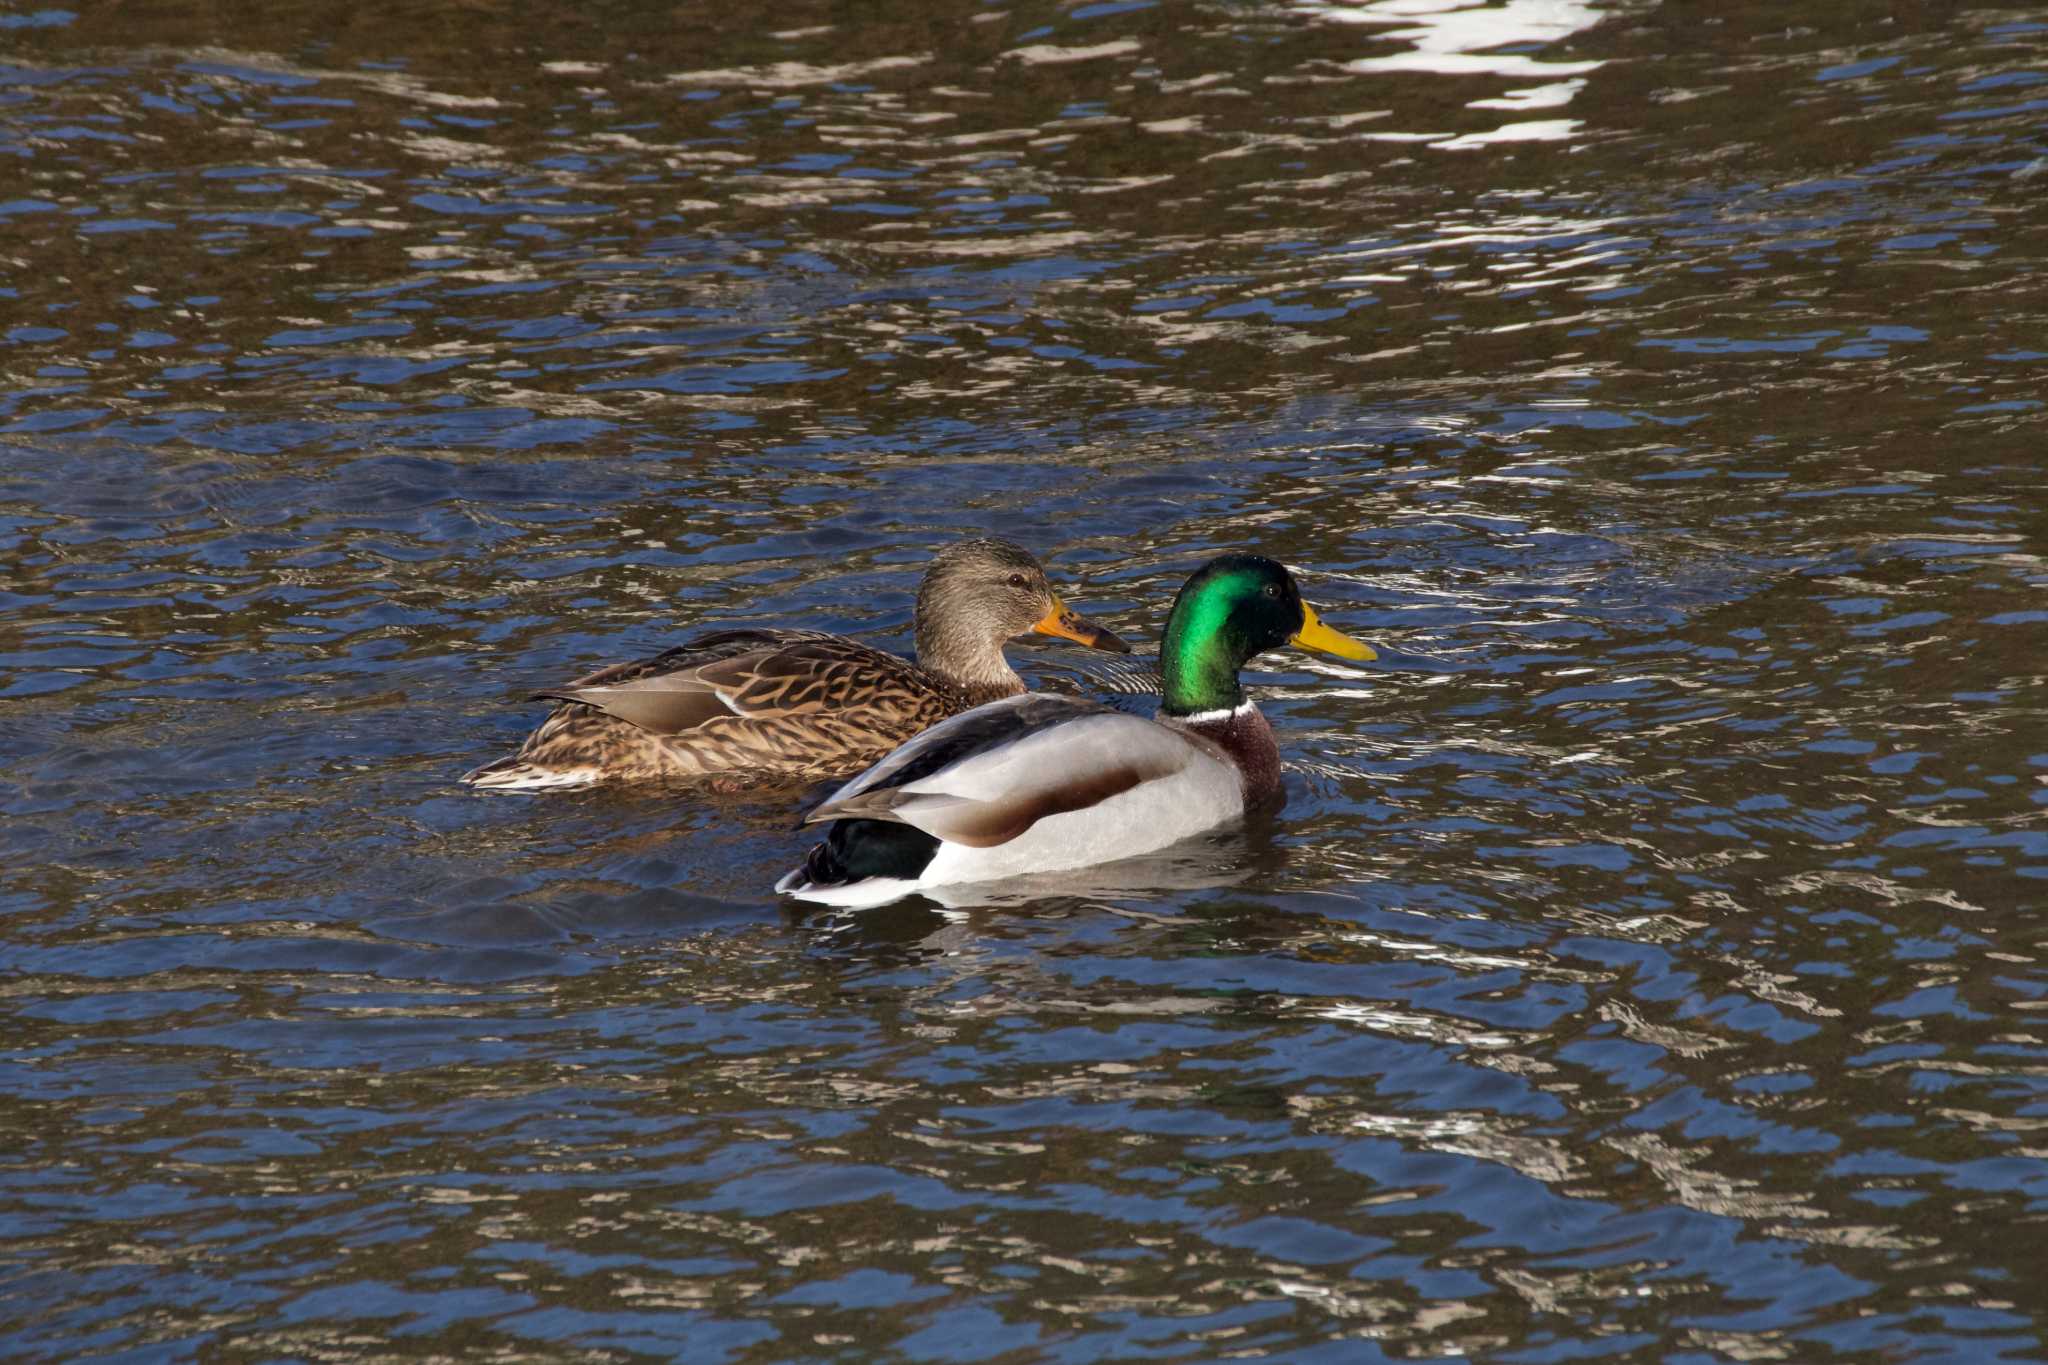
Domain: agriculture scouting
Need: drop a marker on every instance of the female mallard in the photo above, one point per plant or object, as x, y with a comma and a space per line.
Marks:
1039, 783
798, 703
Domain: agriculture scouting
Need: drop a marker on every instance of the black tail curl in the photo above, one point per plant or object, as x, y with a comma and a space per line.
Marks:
853, 850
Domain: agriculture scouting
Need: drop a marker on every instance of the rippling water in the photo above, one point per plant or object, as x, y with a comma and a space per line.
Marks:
1647, 965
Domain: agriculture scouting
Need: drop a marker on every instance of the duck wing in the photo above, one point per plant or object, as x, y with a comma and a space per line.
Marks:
750, 674
1124, 676
987, 775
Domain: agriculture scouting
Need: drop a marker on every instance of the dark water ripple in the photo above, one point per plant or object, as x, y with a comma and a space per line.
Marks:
1646, 966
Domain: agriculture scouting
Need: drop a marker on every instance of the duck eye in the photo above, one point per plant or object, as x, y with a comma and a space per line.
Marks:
1271, 590
1016, 580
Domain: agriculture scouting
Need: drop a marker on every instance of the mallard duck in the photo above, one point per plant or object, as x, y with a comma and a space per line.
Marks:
798, 703
1040, 783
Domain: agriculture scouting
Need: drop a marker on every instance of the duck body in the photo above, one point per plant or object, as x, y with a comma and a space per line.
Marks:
1039, 783
1035, 783
795, 704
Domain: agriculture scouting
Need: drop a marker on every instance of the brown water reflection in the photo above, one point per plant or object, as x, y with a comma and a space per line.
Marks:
1646, 965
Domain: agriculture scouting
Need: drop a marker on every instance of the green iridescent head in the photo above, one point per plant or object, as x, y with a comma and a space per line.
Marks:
1230, 609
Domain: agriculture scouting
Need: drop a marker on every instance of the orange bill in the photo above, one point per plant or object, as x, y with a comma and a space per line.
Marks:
1067, 626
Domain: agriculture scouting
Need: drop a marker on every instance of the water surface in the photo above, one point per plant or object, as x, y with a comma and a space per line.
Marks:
1645, 967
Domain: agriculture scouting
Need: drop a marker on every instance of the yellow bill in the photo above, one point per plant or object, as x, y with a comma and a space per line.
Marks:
1317, 636
1065, 625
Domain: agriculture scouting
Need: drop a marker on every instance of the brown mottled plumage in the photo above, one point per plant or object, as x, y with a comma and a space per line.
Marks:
797, 703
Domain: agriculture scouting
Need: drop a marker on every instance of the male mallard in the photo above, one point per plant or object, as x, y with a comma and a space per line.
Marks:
798, 703
1039, 783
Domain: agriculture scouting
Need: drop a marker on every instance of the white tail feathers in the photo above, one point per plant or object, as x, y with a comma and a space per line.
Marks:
510, 775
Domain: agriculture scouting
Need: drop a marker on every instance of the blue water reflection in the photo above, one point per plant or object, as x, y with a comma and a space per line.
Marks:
1642, 967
